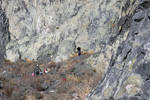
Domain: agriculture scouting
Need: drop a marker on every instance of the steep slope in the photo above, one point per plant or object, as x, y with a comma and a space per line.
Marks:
52, 29
117, 31
128, 75
4, 34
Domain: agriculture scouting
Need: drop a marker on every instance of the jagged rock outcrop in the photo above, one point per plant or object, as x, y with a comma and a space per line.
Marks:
52, 29
4, 34
117, 31
128, 75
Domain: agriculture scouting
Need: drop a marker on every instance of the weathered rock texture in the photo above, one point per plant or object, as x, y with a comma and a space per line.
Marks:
52, 29
128, 74
116, 30
4, 34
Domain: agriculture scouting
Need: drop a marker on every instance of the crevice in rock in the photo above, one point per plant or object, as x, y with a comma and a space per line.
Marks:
25, 7
127, 55
52, 1
123, 22
148, 79
145, 4
135, 34
143, 53
127, 4
149, 17
19, 54
76, 10
74, 44
138, 20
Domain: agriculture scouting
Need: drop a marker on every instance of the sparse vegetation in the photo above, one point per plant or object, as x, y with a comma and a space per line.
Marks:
59, 83
8, 90
74, 78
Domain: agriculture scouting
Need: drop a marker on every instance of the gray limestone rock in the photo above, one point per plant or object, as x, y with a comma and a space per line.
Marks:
127, 77
52, 30
4, 34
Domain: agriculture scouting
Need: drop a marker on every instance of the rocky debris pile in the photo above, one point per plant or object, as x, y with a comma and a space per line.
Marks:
71, 79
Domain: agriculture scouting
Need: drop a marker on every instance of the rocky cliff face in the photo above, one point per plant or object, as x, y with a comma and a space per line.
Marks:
4, 34
117, 31
52, 29
128, 75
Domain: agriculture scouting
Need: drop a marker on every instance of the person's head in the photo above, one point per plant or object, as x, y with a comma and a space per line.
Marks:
79, 48
37, 65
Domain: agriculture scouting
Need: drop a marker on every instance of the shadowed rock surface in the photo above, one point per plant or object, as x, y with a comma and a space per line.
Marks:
4, 34
128, 74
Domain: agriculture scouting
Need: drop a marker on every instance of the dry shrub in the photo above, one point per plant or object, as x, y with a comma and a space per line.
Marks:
74, 55
7, 62
70, 64
88, 74
18, 94
64, 86
8, 89
30, 97
36, 86
94, 70
35, 82
96, 77
74, 78
82, 89
53, 77
93, 81
52, 62
42, 65
2, 78
23, 67
113, 25
59, 96
29, 62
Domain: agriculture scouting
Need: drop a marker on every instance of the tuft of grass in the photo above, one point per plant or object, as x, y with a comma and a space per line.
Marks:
36, 82
57, 27
94, 70
113, 25
29, 62
30, 97
73, 78
88, 52
7, 62
48, 54
83, 90
8, 90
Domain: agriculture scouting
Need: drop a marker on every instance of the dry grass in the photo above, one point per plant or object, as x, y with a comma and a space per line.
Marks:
35, 82
82, 85
29, 62
113, 25
73, 78
7, 62
83, 90
88, 52
30, 97
8, 90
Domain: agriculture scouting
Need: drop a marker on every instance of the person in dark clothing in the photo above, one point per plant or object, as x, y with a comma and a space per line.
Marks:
79, 51
37, 70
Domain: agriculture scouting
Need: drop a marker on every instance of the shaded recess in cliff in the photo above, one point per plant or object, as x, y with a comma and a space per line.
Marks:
4, 34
